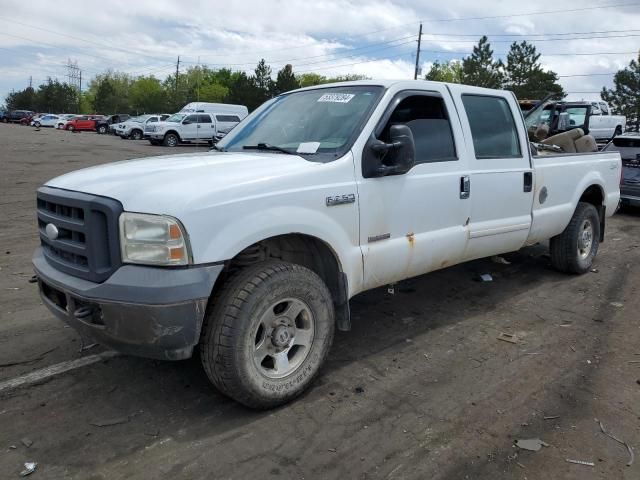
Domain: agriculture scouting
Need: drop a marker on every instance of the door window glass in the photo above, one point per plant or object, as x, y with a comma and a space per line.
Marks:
204, 119
191, 119
493, 128
427, 118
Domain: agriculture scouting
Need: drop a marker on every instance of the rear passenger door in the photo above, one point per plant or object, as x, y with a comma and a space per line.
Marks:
206, 128
500, 174
413, 223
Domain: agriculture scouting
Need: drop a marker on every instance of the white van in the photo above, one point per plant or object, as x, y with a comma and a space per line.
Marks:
197, 122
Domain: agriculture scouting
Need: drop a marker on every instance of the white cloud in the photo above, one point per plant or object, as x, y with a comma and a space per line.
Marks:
146, 36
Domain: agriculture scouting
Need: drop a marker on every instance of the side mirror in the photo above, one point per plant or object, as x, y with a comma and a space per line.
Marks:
396, 157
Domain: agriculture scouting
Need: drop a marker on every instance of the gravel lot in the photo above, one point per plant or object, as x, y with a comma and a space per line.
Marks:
420, 388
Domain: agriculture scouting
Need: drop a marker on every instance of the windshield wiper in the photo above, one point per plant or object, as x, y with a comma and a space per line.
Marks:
268, 147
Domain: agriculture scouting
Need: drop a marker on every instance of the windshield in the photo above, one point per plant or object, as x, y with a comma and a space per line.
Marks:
139, 119
175, 118
319, 124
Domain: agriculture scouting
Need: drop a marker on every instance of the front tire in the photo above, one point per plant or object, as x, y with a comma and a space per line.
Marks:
575, 248
71, 128
171, 140
102, 129
267, 333
136, 135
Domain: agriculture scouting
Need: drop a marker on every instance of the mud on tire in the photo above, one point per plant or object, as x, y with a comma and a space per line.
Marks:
257, 313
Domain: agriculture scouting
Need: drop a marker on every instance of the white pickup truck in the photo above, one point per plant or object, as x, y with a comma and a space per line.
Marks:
252, 252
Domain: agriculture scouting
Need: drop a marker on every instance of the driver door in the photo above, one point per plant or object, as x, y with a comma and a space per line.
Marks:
189, 129
414, 223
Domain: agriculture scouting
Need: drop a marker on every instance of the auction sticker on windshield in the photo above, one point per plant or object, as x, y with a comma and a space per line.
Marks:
336, 97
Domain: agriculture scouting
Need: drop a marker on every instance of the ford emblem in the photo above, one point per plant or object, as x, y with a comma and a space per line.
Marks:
52, 231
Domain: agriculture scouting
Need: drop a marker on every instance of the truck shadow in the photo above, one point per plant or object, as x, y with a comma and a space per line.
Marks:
162, 397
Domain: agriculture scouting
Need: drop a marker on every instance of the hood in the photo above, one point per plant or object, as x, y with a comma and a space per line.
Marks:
169, 184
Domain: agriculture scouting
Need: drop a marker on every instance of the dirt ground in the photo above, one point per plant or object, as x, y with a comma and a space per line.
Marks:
420, 388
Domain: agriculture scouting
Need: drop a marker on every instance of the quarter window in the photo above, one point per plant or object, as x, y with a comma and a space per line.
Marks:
426, 116
228, 118
493, 129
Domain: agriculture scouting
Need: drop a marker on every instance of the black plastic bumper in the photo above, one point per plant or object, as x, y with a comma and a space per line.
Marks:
143, 311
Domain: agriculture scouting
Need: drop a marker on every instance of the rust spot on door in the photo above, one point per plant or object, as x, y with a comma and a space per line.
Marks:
411, 238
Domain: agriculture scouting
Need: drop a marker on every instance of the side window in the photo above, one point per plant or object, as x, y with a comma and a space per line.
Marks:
191, 119
228, 118
493, 129
577, 116
427, 118
152, 120
204, 119
605, 108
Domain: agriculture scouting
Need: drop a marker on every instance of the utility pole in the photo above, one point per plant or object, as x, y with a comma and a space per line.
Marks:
177, 74
415, 75
80, 93
74, 74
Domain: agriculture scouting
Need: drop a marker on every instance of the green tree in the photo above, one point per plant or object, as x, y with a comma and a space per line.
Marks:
285, 80
147, 95
450, 72
480, 69
263, 81
21, 100
624, 97
110, 93
349, 77
311, 79
524, 75
244, 91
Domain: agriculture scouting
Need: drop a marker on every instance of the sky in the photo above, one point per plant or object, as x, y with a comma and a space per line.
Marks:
581, 41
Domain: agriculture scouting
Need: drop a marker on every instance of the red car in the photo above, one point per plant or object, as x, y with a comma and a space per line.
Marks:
82, 122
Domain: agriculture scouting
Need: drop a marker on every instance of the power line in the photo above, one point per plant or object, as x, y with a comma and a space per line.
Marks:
477, 35
534, 40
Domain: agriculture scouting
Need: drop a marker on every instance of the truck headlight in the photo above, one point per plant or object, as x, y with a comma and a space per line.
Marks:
153, 240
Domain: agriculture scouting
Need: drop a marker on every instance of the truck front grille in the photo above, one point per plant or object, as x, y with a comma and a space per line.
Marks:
79, 232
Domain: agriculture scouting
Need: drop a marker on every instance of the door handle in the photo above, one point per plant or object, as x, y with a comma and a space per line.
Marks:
197, 126
528, 182
465, 187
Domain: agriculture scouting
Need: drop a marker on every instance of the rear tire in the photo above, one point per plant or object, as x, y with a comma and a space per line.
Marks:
102, 129
154, 142
267, 332
71, 128
575, 248
171, 140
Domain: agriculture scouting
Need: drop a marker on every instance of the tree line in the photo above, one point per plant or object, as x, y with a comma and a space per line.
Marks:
118, 92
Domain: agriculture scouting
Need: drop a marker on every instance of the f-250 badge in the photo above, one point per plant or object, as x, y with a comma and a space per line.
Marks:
340, 200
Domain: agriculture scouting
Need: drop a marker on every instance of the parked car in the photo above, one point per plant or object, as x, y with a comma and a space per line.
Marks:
16, 116
64, 118
253, 251
82, 123
47, 120
103, 126
213, 121
594, 118
628, 145
134, 127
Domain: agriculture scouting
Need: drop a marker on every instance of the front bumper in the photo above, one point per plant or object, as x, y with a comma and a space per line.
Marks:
143, 311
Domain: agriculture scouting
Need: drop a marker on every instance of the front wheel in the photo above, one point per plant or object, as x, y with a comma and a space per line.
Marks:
36, 124
71, 128
136, 135
267, 333
102, 129
171, 140
575, 248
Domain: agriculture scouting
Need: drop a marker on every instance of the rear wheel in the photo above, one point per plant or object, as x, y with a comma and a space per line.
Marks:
267, 333
171, 140
575, 248
71, 128
154, 142
102, 129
